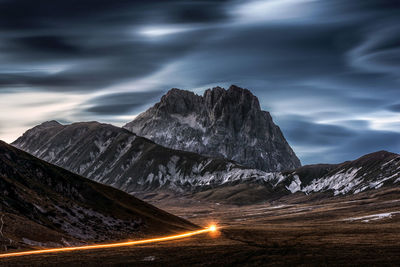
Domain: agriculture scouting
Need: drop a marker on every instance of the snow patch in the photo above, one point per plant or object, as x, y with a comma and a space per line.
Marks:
295, 185
373, 217
341, 182
149, 258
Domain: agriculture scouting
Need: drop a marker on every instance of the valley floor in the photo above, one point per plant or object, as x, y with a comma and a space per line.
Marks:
343, 231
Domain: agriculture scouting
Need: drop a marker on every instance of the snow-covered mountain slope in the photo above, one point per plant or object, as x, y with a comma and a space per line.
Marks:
117, 157
221, 123
377, 170
45, 205
371, 171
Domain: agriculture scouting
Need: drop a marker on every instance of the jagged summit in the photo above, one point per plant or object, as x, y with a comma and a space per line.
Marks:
183, 100
179, 101
222, 123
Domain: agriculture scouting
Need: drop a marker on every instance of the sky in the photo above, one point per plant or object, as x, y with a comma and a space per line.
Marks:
327, 70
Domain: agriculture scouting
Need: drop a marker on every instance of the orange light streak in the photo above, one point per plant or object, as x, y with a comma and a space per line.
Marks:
211, 228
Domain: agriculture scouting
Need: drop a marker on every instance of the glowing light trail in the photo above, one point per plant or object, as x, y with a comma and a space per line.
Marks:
211, 228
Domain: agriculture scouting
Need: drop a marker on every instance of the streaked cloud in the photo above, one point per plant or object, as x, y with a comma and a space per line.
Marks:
327, 70
258, 11
164, 30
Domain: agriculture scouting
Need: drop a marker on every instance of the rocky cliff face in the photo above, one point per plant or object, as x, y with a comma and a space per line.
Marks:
221, 123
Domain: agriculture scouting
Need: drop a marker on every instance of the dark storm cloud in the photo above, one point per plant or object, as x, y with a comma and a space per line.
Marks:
96, 41
46, 44
323, 68
89, 67
28, 15
376, 140
394, 107
363, 143
263, 51
122, 103
303, 132
380, 52
337, 143
197, 11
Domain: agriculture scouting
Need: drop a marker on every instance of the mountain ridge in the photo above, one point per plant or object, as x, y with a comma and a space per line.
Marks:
368, 173
117, 157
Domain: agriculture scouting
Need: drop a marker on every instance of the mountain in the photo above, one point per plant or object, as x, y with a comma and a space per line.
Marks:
370, 172
117, 157
45, 205
221, 123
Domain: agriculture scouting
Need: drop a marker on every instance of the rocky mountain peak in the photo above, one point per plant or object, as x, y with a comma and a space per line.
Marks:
219, 99
185, 101
51, 123
44, 125
177, 101
221, 123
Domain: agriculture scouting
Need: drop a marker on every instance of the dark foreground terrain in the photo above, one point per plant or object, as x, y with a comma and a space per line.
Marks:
342, 231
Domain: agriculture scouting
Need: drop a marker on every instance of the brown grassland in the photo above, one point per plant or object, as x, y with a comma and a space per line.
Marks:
323, 232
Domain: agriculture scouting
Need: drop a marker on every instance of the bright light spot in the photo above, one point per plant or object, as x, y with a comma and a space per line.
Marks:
213, 228
157, 31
